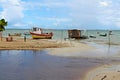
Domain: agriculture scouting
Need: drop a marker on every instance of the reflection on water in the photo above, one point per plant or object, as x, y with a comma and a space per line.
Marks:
37, 65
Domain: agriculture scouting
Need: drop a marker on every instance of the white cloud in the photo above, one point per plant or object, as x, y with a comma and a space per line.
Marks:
54, 19
39, 5
12, 10
117, 24
104, 4
19, 25
59, 19
109, 16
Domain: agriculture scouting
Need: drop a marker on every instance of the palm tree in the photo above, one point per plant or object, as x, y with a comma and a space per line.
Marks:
3, 23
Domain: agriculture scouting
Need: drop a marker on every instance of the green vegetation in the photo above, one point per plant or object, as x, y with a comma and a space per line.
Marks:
3, 23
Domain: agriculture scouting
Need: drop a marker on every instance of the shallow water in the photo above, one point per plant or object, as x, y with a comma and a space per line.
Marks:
37, 65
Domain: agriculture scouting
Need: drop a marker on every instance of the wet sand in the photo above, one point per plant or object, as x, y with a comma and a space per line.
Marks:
86, 50
74, 50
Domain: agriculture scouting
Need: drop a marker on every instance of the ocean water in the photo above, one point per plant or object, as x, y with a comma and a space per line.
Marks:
62, 34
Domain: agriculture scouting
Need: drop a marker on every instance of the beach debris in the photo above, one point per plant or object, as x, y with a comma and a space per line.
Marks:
104, 77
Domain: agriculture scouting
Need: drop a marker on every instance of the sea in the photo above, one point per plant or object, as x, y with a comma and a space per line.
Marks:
62, 34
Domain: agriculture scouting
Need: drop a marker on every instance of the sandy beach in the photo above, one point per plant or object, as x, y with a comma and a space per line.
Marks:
105, 72
30, 44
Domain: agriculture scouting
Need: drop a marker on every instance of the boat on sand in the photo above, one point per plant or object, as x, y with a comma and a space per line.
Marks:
38, 34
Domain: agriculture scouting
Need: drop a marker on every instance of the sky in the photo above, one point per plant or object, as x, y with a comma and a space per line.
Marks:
61, 14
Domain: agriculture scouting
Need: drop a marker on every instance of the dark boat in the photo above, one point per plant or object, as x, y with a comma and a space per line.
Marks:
92, 36
104, 35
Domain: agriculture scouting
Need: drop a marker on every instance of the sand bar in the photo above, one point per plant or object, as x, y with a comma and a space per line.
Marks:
76, 49
30, 44
85, 50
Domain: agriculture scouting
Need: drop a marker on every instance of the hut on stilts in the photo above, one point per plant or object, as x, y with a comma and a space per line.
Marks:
76, 34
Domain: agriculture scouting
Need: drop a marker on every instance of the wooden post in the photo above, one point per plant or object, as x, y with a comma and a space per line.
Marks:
1, 35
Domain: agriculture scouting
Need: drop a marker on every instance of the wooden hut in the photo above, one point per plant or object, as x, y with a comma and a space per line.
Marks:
74, 33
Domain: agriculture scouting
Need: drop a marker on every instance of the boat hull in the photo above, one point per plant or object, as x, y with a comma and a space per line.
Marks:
41, 36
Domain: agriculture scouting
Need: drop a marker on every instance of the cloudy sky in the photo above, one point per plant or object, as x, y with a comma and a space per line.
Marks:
61, 14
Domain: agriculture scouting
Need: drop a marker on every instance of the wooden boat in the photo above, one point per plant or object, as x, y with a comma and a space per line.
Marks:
41, 36
37, 33
15, 34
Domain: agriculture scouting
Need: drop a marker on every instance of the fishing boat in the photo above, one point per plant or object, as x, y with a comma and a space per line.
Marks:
38, 34
15, 34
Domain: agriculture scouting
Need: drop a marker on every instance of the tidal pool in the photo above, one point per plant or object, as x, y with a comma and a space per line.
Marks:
38, 65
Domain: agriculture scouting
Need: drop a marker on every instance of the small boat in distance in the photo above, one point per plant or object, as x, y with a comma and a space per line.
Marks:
104, 35
37, 33
92, 36
15, 34
26, 33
